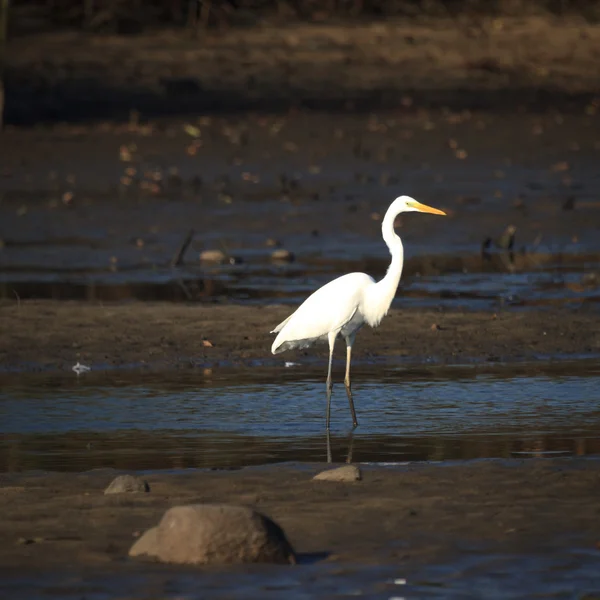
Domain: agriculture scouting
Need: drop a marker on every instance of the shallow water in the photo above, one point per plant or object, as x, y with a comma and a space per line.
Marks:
565, 574
116, 242
469, 281
214, 420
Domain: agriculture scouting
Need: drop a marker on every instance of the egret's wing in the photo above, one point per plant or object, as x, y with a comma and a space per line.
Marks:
328, 309
281, 325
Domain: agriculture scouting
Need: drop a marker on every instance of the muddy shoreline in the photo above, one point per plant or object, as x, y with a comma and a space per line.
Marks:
48, 336
486, 62
401, 518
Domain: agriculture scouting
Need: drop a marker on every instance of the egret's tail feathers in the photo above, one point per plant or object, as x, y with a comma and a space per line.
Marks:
281, 325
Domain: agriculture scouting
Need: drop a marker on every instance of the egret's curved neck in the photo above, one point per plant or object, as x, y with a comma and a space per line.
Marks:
382, 293
394, 243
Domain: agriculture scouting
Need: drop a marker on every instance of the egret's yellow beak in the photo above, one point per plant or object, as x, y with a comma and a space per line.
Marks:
426, 209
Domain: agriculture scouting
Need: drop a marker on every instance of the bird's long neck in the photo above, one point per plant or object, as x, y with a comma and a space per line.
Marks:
383, 292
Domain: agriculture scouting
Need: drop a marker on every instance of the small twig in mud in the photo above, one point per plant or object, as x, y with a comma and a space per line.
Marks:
18, 299
185, 289
178, 258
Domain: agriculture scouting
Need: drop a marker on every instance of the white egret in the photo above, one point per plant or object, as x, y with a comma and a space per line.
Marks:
342, 306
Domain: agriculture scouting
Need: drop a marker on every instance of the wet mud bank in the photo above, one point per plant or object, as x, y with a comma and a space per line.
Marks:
396, 520
482, 62
48, 335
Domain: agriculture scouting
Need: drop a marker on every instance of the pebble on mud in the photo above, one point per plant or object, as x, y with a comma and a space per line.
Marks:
215, 534
282, 255
217, 256
346, 473
127, 484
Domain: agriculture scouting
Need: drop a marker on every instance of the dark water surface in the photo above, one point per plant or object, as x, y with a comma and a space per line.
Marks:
318, 185
222, 419
567, 574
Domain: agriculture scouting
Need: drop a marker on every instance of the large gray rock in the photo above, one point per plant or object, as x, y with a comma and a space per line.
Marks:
124, 484
345, 474
215, 534
147, 545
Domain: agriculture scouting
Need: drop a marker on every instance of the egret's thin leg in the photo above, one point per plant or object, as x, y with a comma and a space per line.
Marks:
350, 447
329, 459
349, 342
329, 384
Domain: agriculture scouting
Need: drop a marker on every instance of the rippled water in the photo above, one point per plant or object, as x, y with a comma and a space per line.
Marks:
217, 420
117, 241
468, 281
564, 576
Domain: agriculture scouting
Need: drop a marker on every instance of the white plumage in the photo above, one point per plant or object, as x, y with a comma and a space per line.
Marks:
344, 305
314, 319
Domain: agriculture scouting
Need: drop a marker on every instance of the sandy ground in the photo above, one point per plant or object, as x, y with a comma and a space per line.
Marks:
55, 335
464, 62
404, 516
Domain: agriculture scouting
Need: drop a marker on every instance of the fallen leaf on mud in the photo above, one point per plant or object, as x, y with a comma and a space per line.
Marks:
574, 287
192, 130
125, 154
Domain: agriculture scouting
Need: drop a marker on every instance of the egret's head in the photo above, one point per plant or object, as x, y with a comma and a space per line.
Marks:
408, 204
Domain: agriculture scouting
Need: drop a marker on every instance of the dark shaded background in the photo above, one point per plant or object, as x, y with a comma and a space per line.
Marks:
131, 16
73, 60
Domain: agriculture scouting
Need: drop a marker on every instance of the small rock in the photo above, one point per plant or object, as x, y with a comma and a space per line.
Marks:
215, 534
147, 545
127, 484
217, 256
282, 255
345, 473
